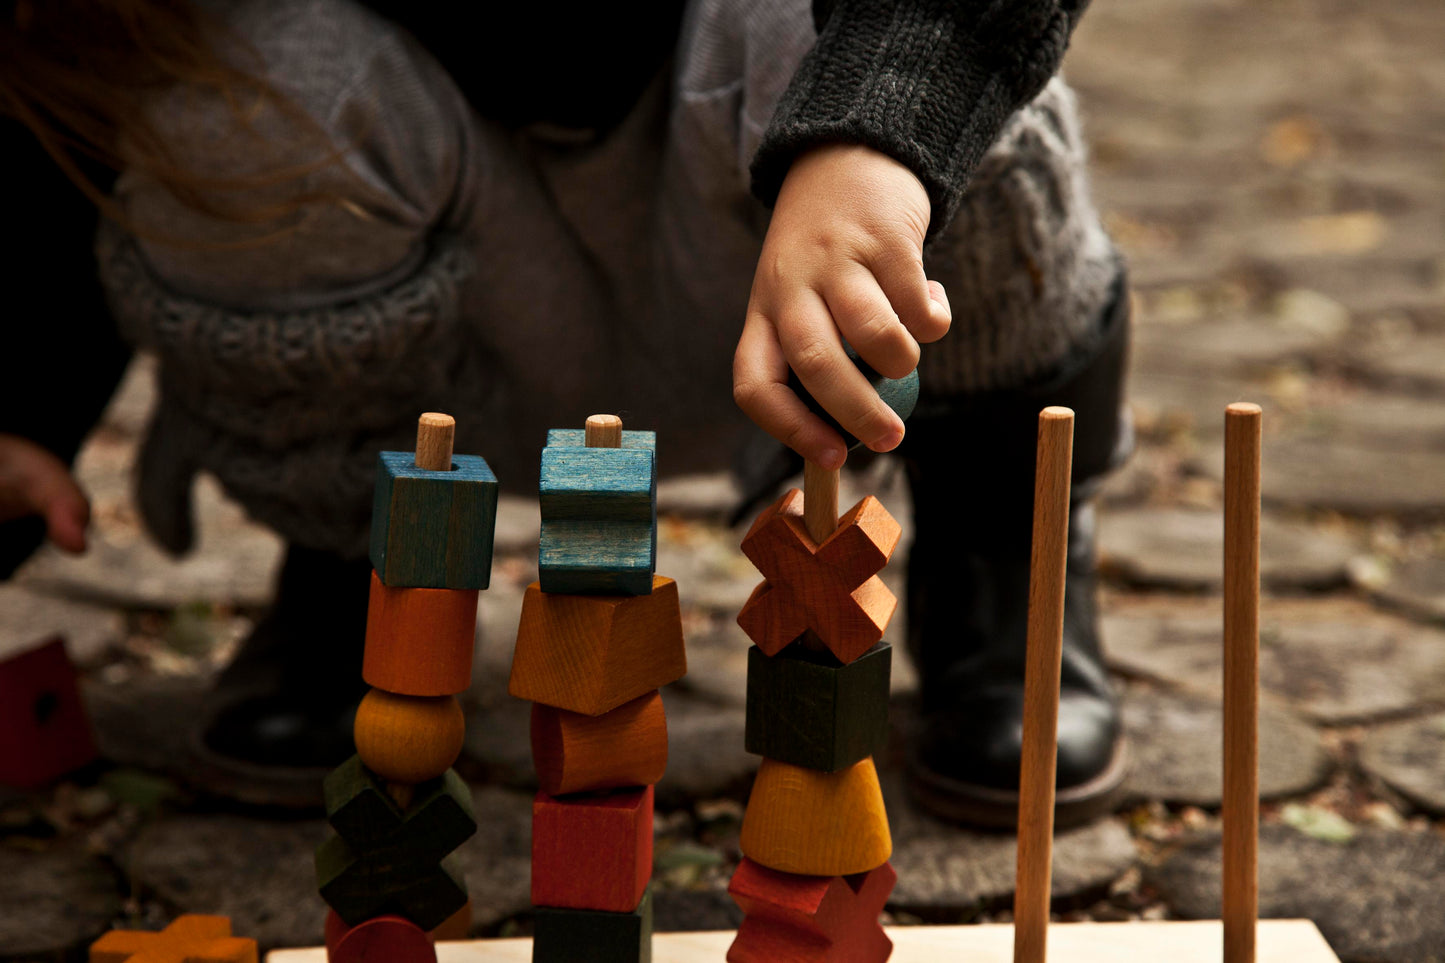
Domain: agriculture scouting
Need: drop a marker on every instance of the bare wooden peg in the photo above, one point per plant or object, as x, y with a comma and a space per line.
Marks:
435, 435
603, 431
820, 516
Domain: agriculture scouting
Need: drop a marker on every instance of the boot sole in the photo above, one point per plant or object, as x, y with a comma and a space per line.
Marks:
992, 808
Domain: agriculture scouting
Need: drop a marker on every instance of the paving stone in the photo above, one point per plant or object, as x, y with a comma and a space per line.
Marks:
1409, 757
519, 525
1184, 548
498, 859
54, 903
712, 496
705, 755
1176, 754
147, 721
1417, 586
31, 617
1376, 898
1230, 344
695, 909
130, 407
1417, 361
711, 571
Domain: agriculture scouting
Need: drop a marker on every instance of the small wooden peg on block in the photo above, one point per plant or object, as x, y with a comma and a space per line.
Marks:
1241, 680
1043, 665
603, 431
435, 436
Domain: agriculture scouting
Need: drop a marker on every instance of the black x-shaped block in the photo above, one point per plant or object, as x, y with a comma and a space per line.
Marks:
383, 860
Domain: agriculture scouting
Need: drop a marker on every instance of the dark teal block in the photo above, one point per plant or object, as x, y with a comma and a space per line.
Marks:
571, 935
433, 529
599, 515
807, 709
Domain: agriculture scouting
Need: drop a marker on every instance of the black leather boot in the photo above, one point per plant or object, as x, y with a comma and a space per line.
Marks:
970, 464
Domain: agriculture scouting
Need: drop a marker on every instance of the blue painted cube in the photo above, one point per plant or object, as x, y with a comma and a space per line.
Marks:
599, 515
433, 529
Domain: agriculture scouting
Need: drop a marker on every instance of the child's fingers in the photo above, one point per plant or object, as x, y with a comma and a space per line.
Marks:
760, 388
35, 482
867, 321
901, 276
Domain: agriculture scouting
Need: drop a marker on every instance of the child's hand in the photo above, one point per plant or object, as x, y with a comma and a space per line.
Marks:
35, 482
843, 259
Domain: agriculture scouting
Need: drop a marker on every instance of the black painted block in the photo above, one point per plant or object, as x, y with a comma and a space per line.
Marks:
570, 935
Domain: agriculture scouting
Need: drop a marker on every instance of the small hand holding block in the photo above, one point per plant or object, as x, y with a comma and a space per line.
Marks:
383, 860
599, 515
189, 939
419, 641
592, 653
433, 529
44, 732
382, 939
806, 709
572, 935
810, 919
592, 852
832, 588
578, 753
816, 823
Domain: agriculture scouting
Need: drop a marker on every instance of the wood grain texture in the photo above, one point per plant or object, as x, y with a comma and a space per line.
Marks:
571, 936
419, 641
383, 860
810, 919
44, 731
435, 435
1242, 424
807, 709
602, 431
831, 589
592, 653
599, 515
188, 939
382, 939
433, 529
1043, 664
815, 823
580, 753
408, 739
592, 852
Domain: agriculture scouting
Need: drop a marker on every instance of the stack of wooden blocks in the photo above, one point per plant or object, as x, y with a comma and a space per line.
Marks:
599, 635
397, 807
815, 839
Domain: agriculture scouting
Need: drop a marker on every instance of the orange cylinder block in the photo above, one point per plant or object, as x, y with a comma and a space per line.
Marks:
419, 640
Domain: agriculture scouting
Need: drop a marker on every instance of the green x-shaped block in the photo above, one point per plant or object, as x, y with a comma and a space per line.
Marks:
383, 860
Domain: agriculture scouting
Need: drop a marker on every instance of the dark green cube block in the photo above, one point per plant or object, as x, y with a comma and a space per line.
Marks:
599, 515
571, 935
807, 709
433, 529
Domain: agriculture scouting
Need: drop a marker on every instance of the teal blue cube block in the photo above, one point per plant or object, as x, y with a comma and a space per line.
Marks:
599, 515
433, 529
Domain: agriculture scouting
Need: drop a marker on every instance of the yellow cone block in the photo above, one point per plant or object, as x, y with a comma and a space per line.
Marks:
817, 823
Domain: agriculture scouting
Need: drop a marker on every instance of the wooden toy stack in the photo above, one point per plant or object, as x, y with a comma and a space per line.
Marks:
815, 838
599, 634
397, 807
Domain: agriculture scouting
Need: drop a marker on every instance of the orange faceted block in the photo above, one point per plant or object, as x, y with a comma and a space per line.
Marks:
592, 653
816, 823
577, 753
592, 852
409, 739
189, 939
832, 589
810, 919
419, 640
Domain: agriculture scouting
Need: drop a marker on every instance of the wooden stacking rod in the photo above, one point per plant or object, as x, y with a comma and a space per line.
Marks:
435, 435
602, 431
820, 516
1043, 666
1241, 680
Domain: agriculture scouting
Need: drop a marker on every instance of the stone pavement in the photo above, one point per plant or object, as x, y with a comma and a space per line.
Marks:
1273, 171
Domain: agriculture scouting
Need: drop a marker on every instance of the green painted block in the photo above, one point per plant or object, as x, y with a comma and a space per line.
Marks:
570, 935
433, 529
599, 515
807, 709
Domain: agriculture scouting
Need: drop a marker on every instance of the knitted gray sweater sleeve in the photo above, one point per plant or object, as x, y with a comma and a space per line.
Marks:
928, 82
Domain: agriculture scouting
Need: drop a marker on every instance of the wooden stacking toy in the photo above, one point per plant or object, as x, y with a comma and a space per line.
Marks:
600, 633
189, 939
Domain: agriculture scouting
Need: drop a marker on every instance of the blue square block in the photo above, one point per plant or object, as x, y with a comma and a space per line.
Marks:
599, 515
433, 529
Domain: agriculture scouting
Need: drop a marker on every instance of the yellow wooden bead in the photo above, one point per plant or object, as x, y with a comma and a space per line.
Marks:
408, 739
816, 823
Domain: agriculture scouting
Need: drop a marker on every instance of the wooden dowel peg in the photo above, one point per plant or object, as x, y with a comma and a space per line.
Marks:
435, 434
1241, 680
603, 431
1043, 666
820, 517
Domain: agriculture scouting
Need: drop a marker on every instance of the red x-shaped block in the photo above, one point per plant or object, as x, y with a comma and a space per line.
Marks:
832, 589
189, 939
810, 919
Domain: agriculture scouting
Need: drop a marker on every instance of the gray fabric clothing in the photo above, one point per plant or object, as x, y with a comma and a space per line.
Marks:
518, 280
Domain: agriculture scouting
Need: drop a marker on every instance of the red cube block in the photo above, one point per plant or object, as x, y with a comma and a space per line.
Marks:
592, 852
44, 732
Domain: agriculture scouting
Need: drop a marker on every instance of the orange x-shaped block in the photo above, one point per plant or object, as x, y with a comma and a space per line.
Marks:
189, 939
810, 919
832, 589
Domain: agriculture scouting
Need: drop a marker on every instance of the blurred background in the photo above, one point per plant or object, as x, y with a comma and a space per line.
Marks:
1275, 172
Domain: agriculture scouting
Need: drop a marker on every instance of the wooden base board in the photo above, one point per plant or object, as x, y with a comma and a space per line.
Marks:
1280, 941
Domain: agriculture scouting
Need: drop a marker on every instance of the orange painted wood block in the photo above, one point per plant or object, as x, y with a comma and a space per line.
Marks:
592, 653
384, 939
810, 919
409, 739
832, 589
419, 640
816, 823
592, 852
189, 939
578, 753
